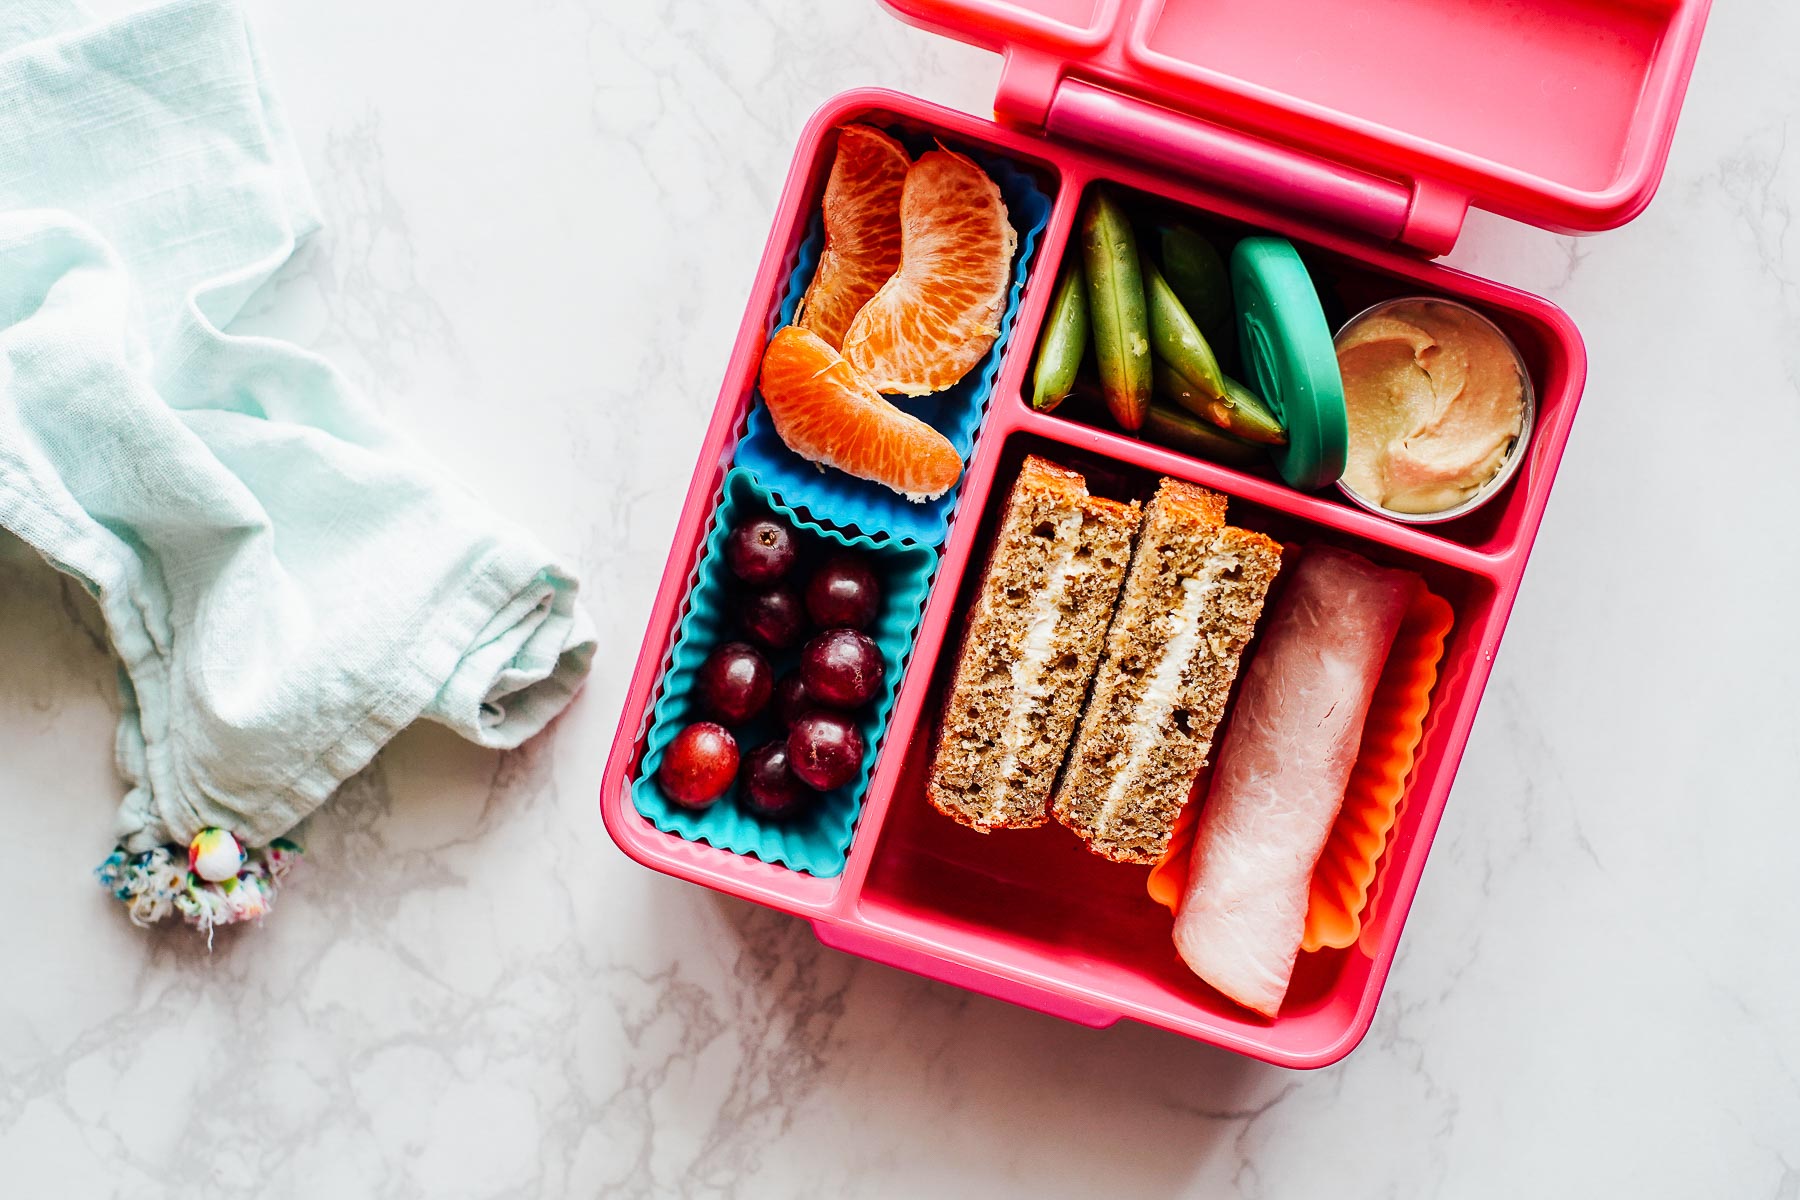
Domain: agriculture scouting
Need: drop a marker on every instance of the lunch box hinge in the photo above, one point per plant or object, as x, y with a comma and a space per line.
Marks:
1421, 216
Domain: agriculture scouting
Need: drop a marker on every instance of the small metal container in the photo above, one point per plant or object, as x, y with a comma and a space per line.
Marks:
1514, 455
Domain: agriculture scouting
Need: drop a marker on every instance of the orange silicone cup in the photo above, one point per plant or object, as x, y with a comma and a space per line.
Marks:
1391, 735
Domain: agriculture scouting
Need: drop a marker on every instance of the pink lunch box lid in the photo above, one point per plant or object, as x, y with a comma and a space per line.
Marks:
1401, 113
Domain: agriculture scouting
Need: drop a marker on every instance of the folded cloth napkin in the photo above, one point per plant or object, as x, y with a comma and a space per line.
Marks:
286, 581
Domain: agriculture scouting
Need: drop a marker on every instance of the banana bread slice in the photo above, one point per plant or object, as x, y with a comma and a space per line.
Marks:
1030, 647
1190, 606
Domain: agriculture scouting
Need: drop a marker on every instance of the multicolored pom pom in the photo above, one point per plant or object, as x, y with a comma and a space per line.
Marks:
214, 855
221, 883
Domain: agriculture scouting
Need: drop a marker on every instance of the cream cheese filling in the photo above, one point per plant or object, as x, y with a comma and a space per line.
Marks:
1164, 687
1040, 640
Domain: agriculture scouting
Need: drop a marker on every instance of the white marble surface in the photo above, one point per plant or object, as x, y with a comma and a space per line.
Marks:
470, 992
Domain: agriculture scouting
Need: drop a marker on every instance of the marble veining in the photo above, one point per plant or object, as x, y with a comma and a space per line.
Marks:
556, 207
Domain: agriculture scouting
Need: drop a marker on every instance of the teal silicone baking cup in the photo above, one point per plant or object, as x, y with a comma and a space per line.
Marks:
817, 841
837, 500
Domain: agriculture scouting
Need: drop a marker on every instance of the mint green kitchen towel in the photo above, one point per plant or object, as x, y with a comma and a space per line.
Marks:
286, 581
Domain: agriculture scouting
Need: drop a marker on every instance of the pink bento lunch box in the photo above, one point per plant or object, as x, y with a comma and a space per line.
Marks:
1362, 132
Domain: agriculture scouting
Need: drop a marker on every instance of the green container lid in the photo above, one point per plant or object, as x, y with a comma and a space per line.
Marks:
1289, 356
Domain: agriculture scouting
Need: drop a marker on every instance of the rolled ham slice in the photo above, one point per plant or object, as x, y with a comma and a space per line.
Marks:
1280, 778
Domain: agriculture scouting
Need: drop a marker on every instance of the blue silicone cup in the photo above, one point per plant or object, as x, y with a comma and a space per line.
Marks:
818, 841
832, 498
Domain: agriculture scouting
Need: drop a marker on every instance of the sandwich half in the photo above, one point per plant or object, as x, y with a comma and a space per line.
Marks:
1030, 648
1190, 606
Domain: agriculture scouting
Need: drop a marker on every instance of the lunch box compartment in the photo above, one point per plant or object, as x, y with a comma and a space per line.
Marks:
1040, 898
832, 497
817, 841
850, 512
1347, 285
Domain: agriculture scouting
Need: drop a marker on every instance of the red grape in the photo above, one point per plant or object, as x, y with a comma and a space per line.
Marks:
792, 699
761, 550
698, 765
771, 789
774, 617
842, 668
844, 591
825, 749
735, 682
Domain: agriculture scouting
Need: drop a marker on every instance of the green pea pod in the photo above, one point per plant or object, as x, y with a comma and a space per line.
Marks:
1239, 410
1201, 282
1177, 341
1181, 430
1064, 341
1115, 288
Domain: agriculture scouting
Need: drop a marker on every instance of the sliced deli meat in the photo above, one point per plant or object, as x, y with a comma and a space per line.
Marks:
1289, 749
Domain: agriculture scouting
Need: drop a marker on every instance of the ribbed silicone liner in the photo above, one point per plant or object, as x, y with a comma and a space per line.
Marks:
1384, 759
834, 499
1391, 735
817, 842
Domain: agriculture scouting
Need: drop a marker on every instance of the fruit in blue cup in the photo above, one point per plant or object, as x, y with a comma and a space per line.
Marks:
761, 551
735, 683
774, 617
770, 787
842, 668
844, 591
825, 749
698, 765
792, 700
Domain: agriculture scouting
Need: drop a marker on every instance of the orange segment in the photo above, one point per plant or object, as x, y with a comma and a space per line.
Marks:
862, 230
828, 414
940, 312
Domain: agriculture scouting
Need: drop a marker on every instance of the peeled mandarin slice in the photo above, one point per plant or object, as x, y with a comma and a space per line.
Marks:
940, 312
828, 414
862, 230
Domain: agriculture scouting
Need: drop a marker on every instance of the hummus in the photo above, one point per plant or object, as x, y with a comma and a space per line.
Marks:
1435, 398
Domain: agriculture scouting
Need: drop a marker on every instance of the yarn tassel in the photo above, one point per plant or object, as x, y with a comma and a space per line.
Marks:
214, 882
